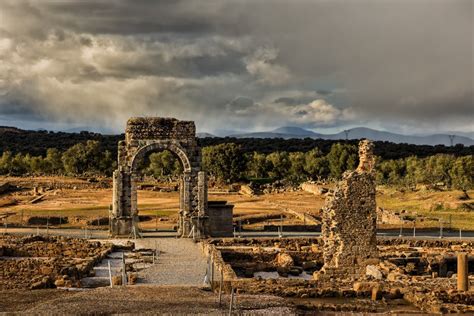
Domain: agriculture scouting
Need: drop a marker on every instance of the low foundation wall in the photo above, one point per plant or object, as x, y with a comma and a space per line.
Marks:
314, 188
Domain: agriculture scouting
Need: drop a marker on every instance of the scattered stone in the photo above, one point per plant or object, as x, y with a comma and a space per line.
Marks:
132, 278
376, 293
284, 260
364, 287
117, 280
373, 272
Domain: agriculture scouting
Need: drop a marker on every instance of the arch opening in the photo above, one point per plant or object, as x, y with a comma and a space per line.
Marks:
157, 188
178, 152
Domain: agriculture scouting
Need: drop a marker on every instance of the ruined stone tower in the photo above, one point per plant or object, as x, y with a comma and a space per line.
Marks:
349, 221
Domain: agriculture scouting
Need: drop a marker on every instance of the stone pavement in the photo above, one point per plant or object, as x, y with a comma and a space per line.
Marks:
180, 262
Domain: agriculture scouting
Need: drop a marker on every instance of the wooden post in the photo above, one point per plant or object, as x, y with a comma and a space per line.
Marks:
212, 275
124, 272
110, 274
220, 287
463, 272
231, 301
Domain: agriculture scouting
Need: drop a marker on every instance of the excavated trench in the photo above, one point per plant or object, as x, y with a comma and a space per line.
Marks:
412, 275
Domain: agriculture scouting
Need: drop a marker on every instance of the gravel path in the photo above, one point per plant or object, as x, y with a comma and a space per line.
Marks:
180, 262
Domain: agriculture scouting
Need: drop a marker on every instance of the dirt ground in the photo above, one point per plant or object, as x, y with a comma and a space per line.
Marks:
137, 299
160, 208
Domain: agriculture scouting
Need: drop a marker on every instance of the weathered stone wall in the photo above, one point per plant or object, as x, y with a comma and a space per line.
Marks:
388, 217
349, 221
159, 128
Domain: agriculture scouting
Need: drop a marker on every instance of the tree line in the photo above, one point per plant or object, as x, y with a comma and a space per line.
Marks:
80, 159
36, 143
229, 162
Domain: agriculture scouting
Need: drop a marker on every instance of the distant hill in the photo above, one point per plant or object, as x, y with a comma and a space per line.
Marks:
289, 132
6, 129
37, 142
79, 129
203, 135
292, 130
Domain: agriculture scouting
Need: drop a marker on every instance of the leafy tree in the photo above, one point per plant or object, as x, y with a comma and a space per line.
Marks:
36, 165
5, 162
82, 158
225, 161
316, 164
297, 163
462, 173
258, 165
162, 164
53, 162
342, 157
391, 171
18, 166
279, 164
437, 169
107, 164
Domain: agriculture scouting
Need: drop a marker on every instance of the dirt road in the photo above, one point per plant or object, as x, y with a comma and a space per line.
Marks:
170, 300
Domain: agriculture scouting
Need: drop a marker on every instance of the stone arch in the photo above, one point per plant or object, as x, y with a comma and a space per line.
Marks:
158, 146
147, 134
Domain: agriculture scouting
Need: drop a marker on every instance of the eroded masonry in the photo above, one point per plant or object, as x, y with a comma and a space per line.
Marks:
145, 135
349, 221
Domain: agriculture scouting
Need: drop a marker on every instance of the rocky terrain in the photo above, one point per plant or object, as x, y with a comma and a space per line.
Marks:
36, 262
411, 274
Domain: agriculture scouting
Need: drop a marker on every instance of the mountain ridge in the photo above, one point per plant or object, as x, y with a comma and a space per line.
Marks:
293, 132
288, 132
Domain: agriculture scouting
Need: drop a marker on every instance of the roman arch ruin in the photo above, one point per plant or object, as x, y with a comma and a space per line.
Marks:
145, 135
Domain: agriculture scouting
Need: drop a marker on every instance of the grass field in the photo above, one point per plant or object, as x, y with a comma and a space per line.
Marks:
446, 206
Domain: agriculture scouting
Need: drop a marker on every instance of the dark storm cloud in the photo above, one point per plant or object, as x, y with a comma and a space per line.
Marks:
240, 64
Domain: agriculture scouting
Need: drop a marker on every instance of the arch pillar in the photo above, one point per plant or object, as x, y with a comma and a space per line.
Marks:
122, 219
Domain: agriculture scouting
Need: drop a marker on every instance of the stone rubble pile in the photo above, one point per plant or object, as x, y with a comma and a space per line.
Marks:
421, 273
46, 262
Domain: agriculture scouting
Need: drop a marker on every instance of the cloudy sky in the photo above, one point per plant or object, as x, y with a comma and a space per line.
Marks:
398, 65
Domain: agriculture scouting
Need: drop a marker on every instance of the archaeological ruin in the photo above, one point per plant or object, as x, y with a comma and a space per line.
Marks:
145, 135
349, 221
